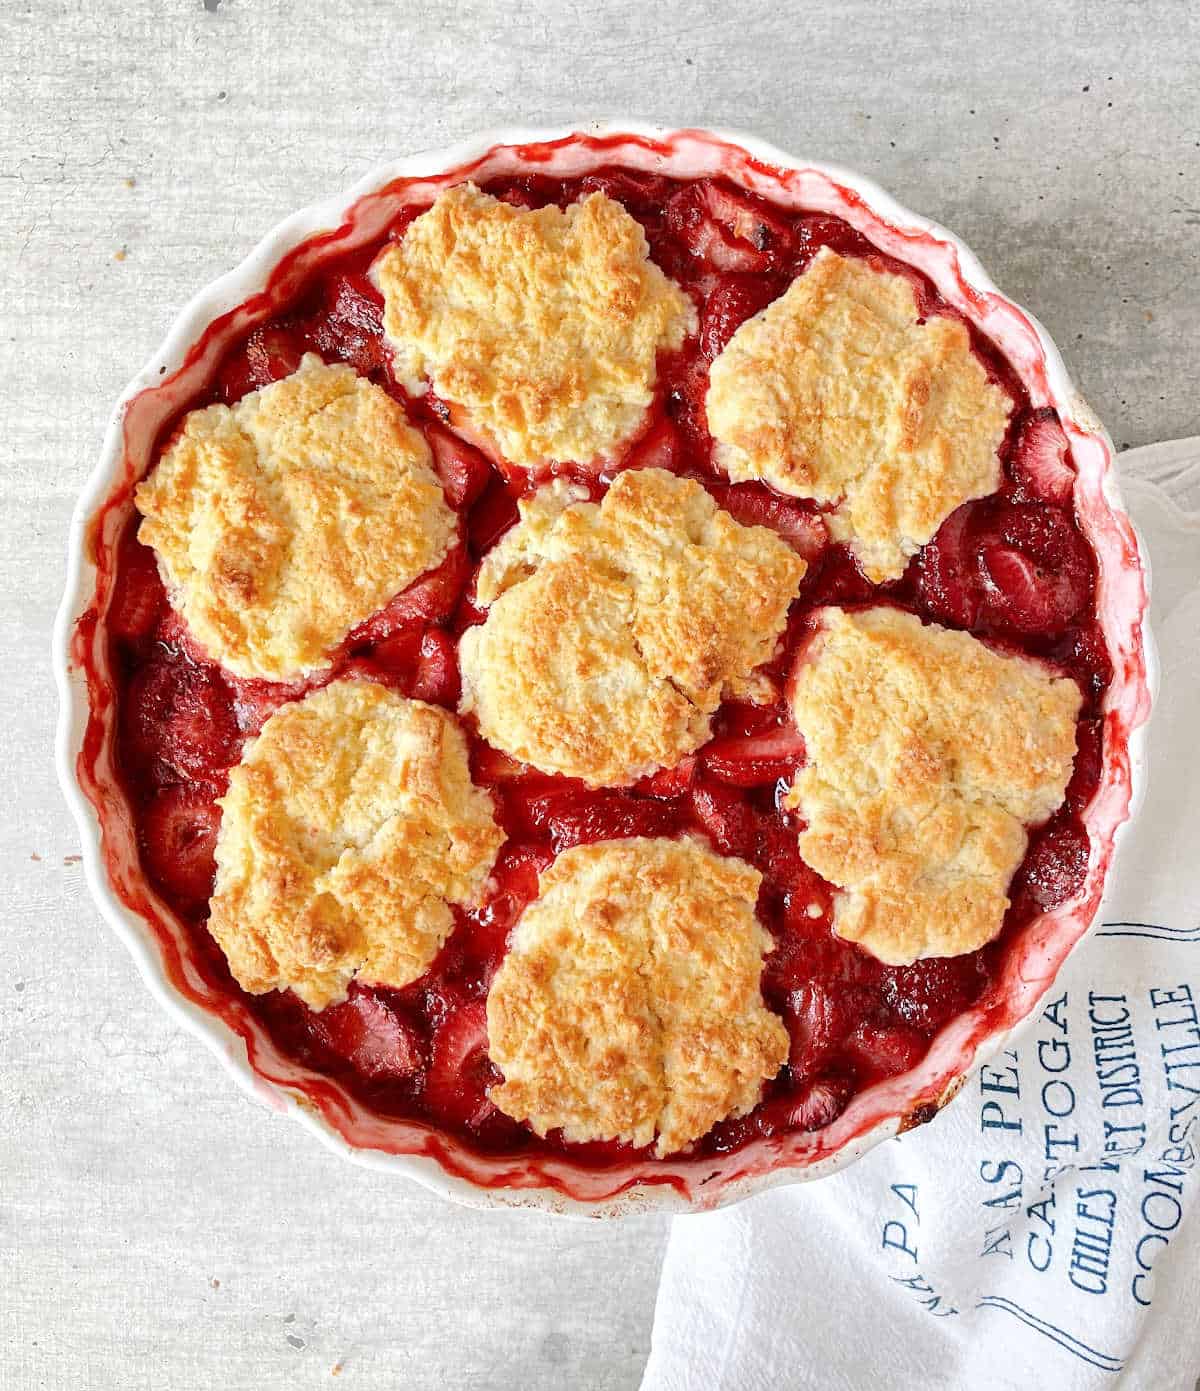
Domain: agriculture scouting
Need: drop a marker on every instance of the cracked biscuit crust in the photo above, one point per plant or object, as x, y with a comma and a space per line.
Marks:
927, 756
628, 1005
349, 828
615, 629
543, 325
282, 522
837, 391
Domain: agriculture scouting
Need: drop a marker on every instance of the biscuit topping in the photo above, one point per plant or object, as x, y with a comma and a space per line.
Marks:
616, 629
284, 521
349, 828
839, 391
542, 325
628, 1006
927, 756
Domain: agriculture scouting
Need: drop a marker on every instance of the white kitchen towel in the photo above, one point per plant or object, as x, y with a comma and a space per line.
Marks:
1042, 1230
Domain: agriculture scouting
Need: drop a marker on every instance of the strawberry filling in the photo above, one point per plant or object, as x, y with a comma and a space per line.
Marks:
178, 720
371, 1036
1040, 466
1013, 568
1009, 568
463, 470
140, 598
797, 522
178, 837
747, 760
733, 300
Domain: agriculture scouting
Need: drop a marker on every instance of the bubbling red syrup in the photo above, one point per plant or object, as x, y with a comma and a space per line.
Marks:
1013, 569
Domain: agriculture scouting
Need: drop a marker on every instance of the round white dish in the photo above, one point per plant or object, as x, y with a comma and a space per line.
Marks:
247, 294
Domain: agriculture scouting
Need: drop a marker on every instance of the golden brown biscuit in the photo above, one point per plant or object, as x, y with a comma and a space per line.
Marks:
616, 629
927, 756
544, 326
282, 522
628, 1005
349, 828
837, 391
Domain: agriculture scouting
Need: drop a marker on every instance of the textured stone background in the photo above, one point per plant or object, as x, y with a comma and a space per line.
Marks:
158, 1230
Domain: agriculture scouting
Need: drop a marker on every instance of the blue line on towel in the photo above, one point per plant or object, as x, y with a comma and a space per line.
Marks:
1153, 931
1065, 1340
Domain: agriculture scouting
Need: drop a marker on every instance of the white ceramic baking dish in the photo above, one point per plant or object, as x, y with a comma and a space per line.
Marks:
158, 943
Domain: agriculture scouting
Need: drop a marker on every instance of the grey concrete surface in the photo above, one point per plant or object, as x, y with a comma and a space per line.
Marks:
159, 1230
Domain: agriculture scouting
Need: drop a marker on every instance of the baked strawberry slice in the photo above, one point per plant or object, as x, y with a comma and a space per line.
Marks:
743, 717
807, 949
350, 327
492, 515
703, 237
179, 721
1027, 597
748, 760
1083, 652
443, 994
729, 822
364, 669
431, 599
255, 701
391, 662
531, 191
353, 300
807, 898
747, 218
753, 504
815, 1025
582, 816
883, 1050
178, 837
173, 632
514, 881
489, 765
1016, 567
929, 993
435, 676
815, 230
1040, 466
685, 387
640, 193
731, 301
835, 578
816, 1103
518, 868
460, 1071
140, 597
1035, 568
532, 800
269, 353
1055, 866
726, 228
396, 656
1089, 756
947, 572
670, 782
272, 352
660, 447
610, 816
371, 1036
463, 470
